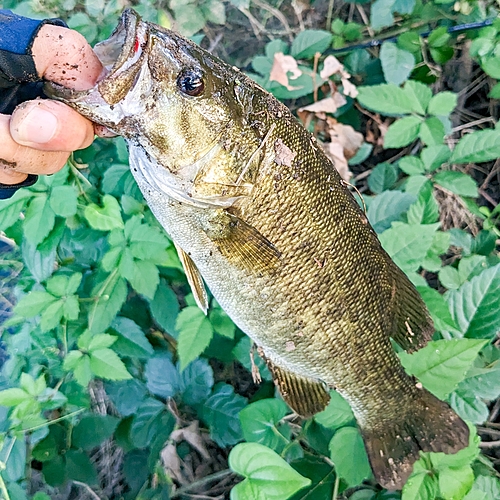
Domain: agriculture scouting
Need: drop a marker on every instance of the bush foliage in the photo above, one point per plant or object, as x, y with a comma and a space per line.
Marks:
117, 386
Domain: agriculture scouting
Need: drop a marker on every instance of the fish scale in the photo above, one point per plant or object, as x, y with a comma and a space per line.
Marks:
258, 211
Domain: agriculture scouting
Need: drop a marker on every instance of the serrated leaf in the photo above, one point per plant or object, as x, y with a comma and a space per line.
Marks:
162, 378
82, 371
267, 475
442, 364
397, 64
33, 304
308, 42
425, 210
442, 104
477, 147
13, 397
132, 340
402, 132
220, 411
165, 308
432, 131
469, 407
39, 219
348, 453
434, 156
222, 323
388, 207
107, 217
146, 422
387, 99
260, 422
51, 316
383, 177
106, 364
92, 430
438, 308
111, 295
411, 165
381, 14
474, 306
420, 486
337, 414
196, 382
419, 94
408, 244
126, 395
457, 182
100, 341
10, 209
63, 200
195, 333
144, 277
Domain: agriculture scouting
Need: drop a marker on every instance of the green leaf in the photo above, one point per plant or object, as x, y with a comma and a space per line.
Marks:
397, 64
106, 364
491, 65
33, 304
131, 341
71, 360
13, 397
80, 468
387, 99
214, 11
165, 308
52, 315
383, 177
408, 244
438, 308
222, 323
381, 14
419, 94
477, 147
402, 132
474, 306
425, 210
82, 371
115, 178
220, 411
348, 453
126, 395
434, 156
457, 182
442, 364
10, 209
260, 422
63, 200
162, 378
196, 382
469, 407
449, 278
267, 475
146, 422
195, 333
101, 341
439, 37
111, 295
308, 42
388, 207
432, 131
144, 277
39, 219
411, 165
337, 414
421, 485
92, 430
106, 218
442, 104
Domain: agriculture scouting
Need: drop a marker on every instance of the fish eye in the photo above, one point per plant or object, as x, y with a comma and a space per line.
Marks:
190, 83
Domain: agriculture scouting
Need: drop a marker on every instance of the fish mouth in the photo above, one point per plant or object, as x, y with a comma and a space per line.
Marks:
121, 56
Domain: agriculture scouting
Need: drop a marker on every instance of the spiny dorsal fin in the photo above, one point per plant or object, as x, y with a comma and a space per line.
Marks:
194, 279
241, 243
305, 396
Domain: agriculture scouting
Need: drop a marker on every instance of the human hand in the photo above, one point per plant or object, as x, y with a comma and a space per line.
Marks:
40, 135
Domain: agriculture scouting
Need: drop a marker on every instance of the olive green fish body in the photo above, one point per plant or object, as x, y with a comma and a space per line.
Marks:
256, 208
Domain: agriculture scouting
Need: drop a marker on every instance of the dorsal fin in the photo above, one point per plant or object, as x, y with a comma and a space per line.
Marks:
194, 279
305, 396
413, 326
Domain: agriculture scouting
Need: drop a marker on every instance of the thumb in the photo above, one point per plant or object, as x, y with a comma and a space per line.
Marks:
63, 56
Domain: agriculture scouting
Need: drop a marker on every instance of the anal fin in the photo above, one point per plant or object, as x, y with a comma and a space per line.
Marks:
194, 279
305, 396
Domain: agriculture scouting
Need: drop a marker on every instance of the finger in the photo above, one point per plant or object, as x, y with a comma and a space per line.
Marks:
15, 159
50, 126
63, 56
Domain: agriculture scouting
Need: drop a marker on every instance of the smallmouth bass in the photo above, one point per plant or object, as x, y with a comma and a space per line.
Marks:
259, 214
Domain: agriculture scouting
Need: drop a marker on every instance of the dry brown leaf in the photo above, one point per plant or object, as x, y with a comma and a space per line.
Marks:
331, 66
327, 105
172, 463
349, 88
345, 142
282, 65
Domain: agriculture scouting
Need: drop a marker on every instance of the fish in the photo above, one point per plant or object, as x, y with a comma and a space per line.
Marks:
261, 217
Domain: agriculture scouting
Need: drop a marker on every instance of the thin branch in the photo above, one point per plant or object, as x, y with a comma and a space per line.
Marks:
207, 479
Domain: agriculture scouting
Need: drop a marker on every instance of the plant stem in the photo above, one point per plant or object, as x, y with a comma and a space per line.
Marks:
3, 489
201, 482
336, 487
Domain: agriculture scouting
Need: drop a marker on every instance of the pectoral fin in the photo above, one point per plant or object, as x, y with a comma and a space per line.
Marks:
306, 396
241, 243
194, 279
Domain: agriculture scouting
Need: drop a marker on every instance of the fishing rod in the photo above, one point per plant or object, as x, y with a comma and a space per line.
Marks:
377, 42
